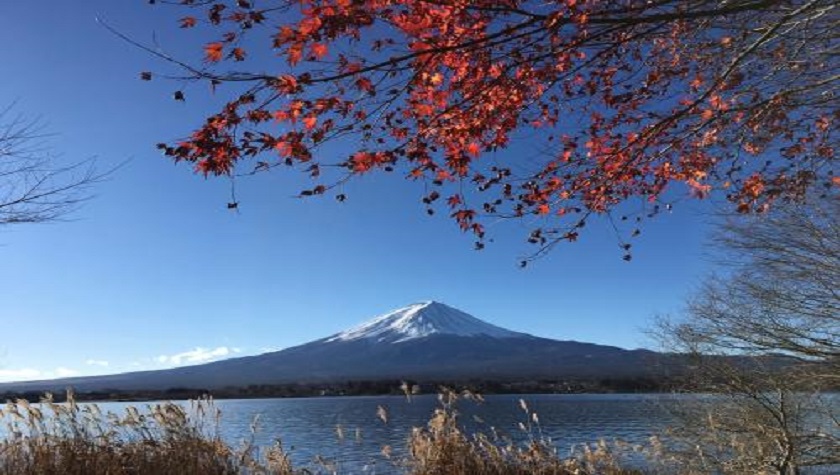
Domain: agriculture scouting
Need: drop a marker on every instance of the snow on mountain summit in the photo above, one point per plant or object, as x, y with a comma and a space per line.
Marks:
421, 320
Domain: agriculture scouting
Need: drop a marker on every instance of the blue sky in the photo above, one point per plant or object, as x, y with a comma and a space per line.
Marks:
155, 272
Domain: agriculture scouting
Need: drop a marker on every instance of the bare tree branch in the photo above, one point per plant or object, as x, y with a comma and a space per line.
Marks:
33, 188
765, 338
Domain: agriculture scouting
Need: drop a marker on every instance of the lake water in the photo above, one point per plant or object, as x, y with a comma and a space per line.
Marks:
308, 427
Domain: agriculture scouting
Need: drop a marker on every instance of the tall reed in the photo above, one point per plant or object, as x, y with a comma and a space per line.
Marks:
184, 439
79, 439
444, 448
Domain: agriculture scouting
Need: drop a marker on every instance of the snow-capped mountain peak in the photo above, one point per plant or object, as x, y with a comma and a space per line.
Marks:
422, 320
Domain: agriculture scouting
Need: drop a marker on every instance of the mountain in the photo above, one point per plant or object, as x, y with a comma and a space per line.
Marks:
423, 341
422, 320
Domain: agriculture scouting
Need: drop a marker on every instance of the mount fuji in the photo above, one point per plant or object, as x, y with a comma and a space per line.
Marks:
422, 341
423, 320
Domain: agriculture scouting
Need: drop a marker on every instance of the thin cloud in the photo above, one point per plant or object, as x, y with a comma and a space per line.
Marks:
62, 372
196, 355
21, 374
92, 362
30, 374
269, 349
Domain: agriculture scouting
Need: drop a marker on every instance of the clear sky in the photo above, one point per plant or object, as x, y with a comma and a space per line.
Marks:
156, 272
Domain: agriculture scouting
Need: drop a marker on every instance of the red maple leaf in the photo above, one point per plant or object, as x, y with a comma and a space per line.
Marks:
612, 110
213, 52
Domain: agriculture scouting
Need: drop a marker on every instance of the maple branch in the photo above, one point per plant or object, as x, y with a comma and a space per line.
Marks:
630, 97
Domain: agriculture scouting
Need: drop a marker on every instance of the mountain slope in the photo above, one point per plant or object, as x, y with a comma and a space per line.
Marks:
422, 320
428, 340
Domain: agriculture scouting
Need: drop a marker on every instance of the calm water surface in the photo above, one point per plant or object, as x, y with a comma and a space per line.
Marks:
308, 427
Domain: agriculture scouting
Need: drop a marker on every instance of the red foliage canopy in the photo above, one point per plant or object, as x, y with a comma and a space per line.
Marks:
622, 98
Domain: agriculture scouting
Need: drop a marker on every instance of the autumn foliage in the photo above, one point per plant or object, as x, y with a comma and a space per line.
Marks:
554, 110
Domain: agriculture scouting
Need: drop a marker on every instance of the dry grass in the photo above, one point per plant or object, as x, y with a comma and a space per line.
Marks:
443, 448
73, 439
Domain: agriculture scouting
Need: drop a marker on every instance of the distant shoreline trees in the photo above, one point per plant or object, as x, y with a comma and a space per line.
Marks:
381, 387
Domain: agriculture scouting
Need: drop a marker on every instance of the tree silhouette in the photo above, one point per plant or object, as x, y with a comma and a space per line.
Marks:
33, 188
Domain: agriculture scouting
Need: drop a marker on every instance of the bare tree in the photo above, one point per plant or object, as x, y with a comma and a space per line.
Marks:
782, 293
33, 187
765, 338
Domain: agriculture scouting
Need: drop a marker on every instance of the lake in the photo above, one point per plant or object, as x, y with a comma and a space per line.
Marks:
309, 427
